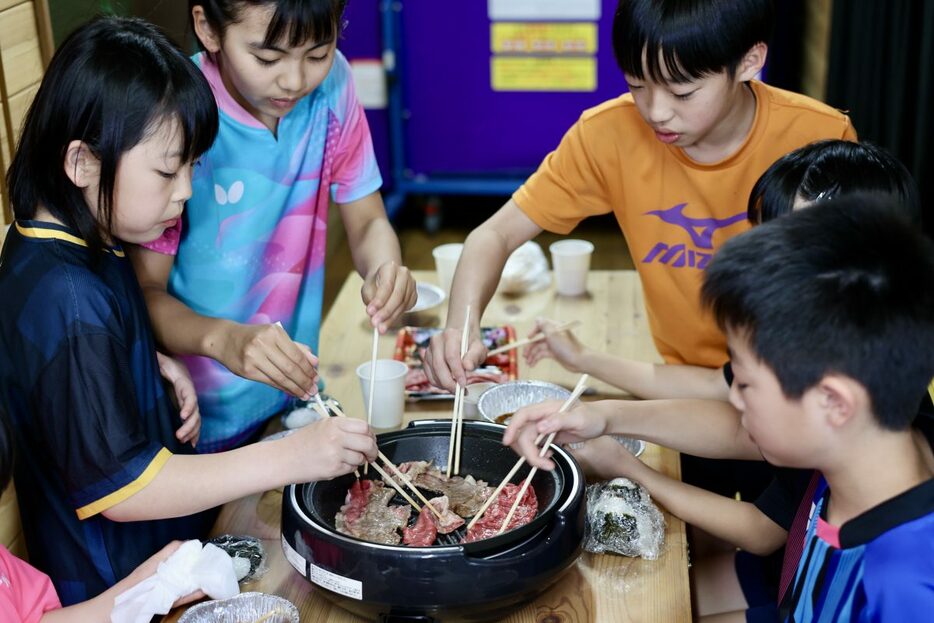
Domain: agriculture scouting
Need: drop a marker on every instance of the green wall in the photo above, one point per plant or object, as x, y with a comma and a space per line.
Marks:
171, 15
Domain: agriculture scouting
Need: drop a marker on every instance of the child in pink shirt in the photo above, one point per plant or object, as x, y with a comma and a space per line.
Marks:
25, 592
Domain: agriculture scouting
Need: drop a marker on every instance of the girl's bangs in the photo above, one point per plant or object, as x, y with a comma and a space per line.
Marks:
191, 102
298, 22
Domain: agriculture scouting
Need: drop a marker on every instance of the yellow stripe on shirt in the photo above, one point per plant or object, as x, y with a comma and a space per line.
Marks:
99, 506
931, 391
40, 232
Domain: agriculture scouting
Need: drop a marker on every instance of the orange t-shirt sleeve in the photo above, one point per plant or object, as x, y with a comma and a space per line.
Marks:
849, 132
568, 187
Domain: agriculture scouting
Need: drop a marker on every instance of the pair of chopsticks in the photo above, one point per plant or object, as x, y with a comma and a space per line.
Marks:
578, 390
457, 419
369, 402
561, 327
323, 410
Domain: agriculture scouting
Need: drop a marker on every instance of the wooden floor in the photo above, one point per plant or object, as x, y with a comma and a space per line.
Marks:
458, 217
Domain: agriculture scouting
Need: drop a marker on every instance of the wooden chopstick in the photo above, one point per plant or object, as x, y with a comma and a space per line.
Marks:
269, 615
515, 468
398, 487
498, 490
578, 390
322, 410
531, 340
454, 445
369, 402
460, 409
395, 470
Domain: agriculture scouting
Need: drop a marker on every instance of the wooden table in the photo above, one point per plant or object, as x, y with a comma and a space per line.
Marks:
602, 588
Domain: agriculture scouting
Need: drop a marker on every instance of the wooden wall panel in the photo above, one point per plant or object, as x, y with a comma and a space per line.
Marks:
19, 104
816, 48
6, 4
19, 45
25, 49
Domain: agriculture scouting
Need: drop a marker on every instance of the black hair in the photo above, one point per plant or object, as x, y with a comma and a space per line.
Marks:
295, 21
111, 84
6, 452
825, 169
689, 39
844, 289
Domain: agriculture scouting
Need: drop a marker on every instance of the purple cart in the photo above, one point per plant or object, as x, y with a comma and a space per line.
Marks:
446, 130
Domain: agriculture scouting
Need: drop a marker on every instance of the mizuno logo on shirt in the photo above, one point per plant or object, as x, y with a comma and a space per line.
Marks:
701, 231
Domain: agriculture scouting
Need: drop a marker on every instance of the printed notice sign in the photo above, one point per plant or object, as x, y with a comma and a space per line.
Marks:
534, 73
543, 9
543, 37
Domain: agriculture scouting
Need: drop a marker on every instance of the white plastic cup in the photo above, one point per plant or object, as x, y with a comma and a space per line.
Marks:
389, 393
446, 256
571, 262
474, 391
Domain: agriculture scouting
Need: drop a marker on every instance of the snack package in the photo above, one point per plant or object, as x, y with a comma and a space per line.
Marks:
249, 557
622, 519
412, 342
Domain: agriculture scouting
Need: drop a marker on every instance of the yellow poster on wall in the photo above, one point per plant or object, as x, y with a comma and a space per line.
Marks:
543, 38
536, 73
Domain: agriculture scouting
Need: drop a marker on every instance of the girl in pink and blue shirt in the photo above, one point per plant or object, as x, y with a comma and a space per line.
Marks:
237, 285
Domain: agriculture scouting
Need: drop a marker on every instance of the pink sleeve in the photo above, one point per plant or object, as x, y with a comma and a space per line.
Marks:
168, 243
355, 172
24, 589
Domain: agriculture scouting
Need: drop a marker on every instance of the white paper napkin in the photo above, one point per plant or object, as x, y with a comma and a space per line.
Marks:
191, 568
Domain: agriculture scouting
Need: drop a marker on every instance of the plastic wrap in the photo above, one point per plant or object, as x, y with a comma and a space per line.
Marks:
244, 608
526, 270
622, 519
248, 554
302, 416
305, 412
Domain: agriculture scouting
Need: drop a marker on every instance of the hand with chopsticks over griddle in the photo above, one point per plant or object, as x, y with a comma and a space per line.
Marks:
579, 423
387, 293
330, 447
266, 353
601, 456
445, 366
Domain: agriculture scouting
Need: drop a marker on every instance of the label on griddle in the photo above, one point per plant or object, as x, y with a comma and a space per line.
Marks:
295, 559
335, 583
322, 577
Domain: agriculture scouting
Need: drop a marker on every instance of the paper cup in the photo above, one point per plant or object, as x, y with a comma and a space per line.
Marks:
474, 391
571, 262
446, 256
388, 394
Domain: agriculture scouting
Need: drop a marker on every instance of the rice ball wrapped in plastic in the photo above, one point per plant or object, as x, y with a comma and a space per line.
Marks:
621, 518
248, 554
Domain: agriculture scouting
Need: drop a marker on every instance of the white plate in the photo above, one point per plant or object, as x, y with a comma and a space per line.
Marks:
429, 295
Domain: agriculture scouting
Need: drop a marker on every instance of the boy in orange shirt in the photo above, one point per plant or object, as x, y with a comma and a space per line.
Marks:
673, 160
